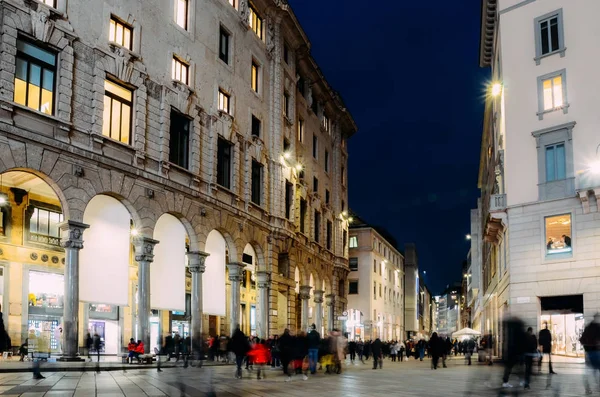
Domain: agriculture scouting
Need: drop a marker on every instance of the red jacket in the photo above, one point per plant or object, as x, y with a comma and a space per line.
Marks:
140, 348
131, 347
260, 354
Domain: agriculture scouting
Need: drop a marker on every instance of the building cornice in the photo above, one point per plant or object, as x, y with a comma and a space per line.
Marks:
489, 12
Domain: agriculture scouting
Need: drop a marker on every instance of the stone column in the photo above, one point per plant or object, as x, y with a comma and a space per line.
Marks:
71, 233
235, 278
144, 256
318, 297
262, 323
196, 265
330, 302
304, 296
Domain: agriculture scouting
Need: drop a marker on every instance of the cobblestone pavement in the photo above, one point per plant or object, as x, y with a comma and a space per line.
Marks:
402, 379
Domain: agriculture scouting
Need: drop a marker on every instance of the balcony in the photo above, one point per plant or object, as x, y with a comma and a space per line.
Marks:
498, 203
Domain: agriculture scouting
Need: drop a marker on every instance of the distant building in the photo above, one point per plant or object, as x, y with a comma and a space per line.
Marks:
449, 309
376, 284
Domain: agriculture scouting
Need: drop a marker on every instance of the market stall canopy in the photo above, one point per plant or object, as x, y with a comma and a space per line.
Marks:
466, 332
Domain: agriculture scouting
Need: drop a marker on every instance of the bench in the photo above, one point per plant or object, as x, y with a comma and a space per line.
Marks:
146, 358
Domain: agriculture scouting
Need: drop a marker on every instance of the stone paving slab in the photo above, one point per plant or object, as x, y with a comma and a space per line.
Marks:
403, 379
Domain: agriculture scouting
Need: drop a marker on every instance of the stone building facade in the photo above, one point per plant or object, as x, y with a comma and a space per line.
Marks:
201, 125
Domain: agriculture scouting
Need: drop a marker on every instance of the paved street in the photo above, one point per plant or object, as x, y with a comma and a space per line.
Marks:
406, 379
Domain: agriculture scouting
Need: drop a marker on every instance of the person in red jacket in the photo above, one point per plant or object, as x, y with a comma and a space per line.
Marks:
260, 356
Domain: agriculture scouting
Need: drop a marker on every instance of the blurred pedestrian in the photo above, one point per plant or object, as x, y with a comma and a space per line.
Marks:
590, 339
514, 347
89, 344
531, 345
469, 349
376, 350
239, 346
546, 344
260, 356
352, 350
97, 342
436, 347
314, 341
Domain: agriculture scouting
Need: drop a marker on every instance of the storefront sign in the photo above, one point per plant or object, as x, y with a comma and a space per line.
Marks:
523, 299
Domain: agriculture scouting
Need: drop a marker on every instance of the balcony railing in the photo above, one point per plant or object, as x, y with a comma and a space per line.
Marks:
44, 239
497, 202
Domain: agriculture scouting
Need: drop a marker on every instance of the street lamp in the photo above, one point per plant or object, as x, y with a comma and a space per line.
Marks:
468, 236
496, 89
595, 166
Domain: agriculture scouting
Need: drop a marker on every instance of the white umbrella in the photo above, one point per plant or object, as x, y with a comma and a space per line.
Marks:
466, 332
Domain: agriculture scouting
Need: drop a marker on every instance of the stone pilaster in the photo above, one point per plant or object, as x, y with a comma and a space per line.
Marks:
144, 256
304, 296
262, 328
196, 265
235, 279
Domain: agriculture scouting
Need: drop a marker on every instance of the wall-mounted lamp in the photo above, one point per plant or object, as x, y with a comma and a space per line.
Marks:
496, 89
595, 165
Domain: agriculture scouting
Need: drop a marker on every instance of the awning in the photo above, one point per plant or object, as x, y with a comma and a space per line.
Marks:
466, 332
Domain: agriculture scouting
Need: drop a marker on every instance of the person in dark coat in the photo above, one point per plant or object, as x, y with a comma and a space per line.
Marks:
286, 347
239, 346
546, 344
97, 342
590, 339
314, 341
436, 347
376, 350
514, 346
531, 345
89, 344
169, 346
352, 350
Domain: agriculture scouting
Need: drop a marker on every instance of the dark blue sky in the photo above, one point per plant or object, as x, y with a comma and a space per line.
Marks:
409, 73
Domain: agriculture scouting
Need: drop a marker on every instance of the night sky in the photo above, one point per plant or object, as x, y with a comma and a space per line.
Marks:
409, 73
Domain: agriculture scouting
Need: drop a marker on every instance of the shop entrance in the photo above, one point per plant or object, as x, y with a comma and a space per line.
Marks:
564, 316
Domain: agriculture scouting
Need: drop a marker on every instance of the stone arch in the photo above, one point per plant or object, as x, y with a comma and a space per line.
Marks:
226, 229
326, 282
62, 198
183, 209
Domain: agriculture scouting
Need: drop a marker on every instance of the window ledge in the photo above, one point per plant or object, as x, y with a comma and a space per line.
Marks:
557, 257
107, 139
564, 108
180, 85
115, 47
180, 168
224, 114
561, 51
37, 112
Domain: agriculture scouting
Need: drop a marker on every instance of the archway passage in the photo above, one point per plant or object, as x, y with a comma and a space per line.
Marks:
167, 277
105, 257
213, 282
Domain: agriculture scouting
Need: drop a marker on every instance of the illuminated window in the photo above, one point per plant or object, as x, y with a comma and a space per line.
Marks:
552, 93
50, 3
353, 242
556, 167
224, 45
256, 22
43, 226
254, 76
326, 123
180, 71
181, 13
553, 97
223, 101
301, 130
558, 234
34, 77
120, 33
233, 3
118, 102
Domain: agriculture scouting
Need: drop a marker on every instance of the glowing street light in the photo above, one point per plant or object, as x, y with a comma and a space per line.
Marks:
134, 232
468, 236
496, 89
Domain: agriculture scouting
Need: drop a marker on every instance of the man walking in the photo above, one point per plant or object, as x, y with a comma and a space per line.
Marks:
531, 345
590, 339
545, 340
314, 341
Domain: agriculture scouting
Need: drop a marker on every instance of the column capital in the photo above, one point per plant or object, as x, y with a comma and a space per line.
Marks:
330, 299
263, 278
305, 291
144, 248
235, 271
196, 260
318, 296
71, 234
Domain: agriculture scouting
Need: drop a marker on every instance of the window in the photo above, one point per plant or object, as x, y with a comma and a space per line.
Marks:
255, 126
344, 241
180, 71
326, 123
374, 266
353, 287
317, 226
343, 176
224, 102
224, 45
50, 3
120, 33
286, 104
43, 226
375, 290
549, 35
552, 93
315, 146
555, 162
380, 268
385, 294
286, 54
353, 242
118, 102
34, 77
326, 196
233, 3
301, 130
181, 13
224, 163
255, 22
315, 185
329, 234
326, 161
301, 86
286, 145
289, 198
302, 216
380, 290
257, 177
558, 234
343, 206
254, 77
179, 140
314, 106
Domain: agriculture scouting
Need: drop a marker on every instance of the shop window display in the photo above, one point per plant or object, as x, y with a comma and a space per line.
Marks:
566, 331
558, 234
46, 292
